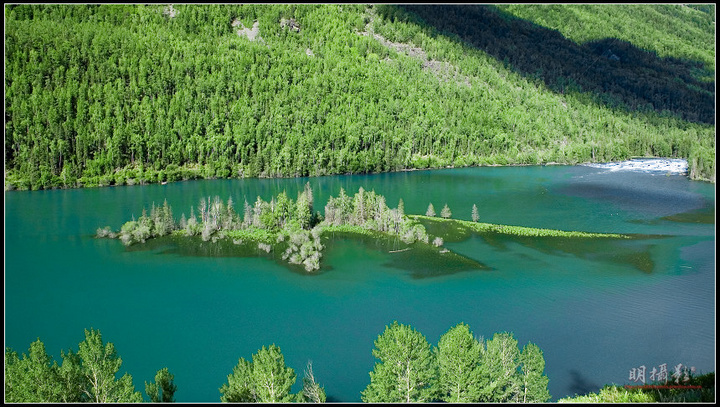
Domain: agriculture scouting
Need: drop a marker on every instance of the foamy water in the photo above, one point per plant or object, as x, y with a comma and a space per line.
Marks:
664, 165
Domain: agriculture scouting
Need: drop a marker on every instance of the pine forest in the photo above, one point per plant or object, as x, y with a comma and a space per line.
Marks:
119, 94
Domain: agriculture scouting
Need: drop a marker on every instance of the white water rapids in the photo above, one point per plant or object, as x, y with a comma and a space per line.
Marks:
664, 165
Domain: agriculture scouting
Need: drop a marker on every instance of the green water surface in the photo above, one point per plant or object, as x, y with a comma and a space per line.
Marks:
595, 308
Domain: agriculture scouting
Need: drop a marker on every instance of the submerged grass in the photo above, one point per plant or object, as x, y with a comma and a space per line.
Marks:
704, 215
420, 259
604, 247
512, 230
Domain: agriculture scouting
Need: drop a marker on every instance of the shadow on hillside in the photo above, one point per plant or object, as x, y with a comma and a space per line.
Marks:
615, 72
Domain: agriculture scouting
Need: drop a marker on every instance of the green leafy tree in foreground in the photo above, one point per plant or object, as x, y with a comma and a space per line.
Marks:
533, 384
240, 387
500, 366
85, 376
100, 363
265, 380
31, 379
461, 369
458, 357
163, 389
407, 370
72, 379
271, 377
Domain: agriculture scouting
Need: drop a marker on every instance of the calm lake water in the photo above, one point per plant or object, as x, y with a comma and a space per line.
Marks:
595, 314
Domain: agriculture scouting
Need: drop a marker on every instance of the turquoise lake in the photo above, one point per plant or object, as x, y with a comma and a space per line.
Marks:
596, 314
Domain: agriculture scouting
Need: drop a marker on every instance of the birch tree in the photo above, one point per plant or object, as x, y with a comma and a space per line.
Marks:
271, 377
407, 369
264, 380
100, 363
500, 368
533, 387
458, 356
312, 391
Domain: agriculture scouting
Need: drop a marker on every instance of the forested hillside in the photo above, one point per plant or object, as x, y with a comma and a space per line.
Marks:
125, 94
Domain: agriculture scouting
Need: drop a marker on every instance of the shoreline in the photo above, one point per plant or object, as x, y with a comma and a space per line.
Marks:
677, 166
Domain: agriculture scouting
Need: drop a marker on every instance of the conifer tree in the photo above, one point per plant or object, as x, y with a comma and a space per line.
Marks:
302, 212
247, 214
240, 387
445, 212
430, 210
163, 389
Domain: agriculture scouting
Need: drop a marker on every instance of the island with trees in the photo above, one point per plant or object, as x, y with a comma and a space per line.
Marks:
294, 229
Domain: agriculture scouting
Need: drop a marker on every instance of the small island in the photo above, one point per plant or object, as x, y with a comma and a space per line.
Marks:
295, 229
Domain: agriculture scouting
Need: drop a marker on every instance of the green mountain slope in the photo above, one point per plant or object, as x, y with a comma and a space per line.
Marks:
123, 94
620, 73
670, 31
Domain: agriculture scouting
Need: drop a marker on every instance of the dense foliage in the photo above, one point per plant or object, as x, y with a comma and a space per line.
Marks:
86, 376
670, 31
264, 380
615, 70
406, 371
162, 390
125, 94
460, 369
